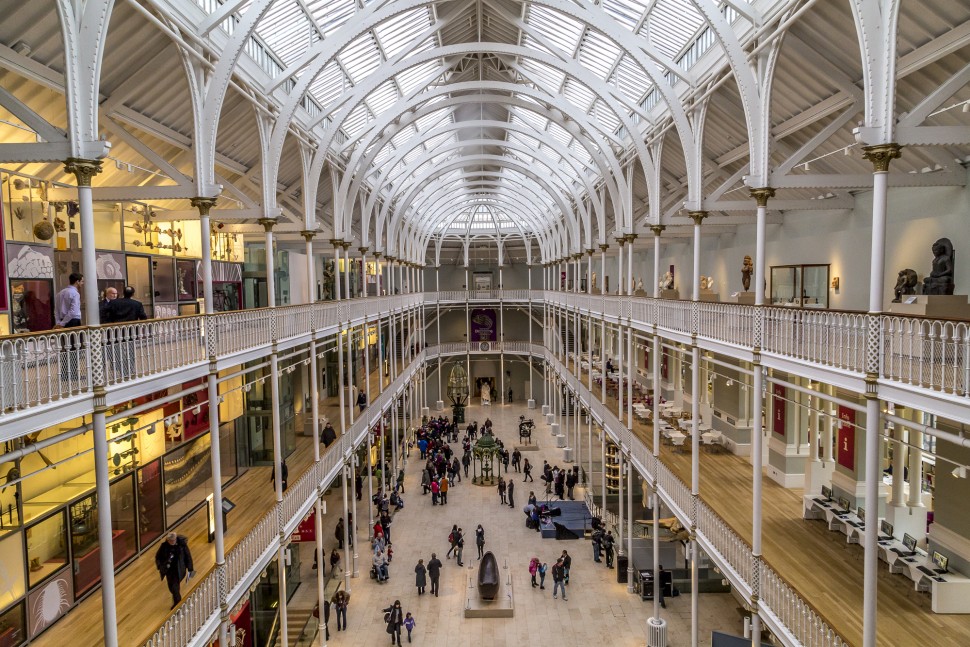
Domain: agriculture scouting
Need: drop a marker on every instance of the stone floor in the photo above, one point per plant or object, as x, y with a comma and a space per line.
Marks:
599, 610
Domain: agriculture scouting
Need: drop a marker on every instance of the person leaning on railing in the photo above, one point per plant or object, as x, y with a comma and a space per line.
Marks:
121, 310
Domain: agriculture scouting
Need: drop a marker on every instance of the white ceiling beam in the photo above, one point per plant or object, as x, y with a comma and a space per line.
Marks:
864, 180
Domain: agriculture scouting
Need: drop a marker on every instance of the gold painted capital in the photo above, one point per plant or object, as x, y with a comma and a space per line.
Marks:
82, 169
203, 205
620, 240
268, 224
631, 238
881, 155
697, 216
336, 242
308, 234
377, 255
657, 229
362, 250
346, 245
762, 195
590, 252
604, 247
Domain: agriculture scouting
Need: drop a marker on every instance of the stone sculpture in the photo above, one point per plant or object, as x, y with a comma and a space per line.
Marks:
747, 268
707, 282
592, 282
667, 282
905, 284
639, 285
940, 279
488, 577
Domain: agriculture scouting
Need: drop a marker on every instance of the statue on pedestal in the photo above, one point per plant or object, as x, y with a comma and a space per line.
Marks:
747, 268
667, 282
940, 280
905, 284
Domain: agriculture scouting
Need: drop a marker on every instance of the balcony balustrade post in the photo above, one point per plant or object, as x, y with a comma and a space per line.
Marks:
268, 224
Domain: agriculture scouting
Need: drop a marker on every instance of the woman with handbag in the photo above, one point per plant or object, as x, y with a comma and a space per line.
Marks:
394, 617
340, 601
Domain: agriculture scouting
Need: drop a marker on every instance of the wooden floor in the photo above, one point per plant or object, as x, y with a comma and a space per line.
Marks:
142, 599
815, 561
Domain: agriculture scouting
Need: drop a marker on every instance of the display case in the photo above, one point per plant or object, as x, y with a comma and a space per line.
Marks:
46, 547
12, 630
12, 563
612, 468
805, 286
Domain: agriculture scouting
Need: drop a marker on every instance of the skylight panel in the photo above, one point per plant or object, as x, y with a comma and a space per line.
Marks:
598, 54
360, 58
673, 24
287, 30
382, 156
439, 141
403, 136
413, 155
630, 79
578, 94
559, 133
545, 76
530, 119
398, 32
412, 78
383, 97
625, 12
355, 122
328, 85
430, 120
331, 15
560, 31
605, 116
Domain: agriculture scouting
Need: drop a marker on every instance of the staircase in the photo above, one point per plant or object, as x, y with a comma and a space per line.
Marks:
297, 621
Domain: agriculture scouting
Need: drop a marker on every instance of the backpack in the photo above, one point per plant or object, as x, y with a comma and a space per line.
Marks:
451, 537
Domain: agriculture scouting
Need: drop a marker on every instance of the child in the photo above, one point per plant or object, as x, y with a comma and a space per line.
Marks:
409, 624
543, 567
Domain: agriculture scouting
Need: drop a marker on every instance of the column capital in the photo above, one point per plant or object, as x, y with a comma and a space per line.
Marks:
309, 234
604, 247
362, 250
762, 195
697, 216
336, 242
620, 240
203, 205
82, 169
881, 155
268, 224
630, 238
578, 256
590, 251
657, 229
346, 245
377, 255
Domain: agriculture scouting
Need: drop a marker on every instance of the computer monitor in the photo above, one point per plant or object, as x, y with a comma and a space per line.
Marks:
886, 528
861, 513
844, 504
827, 492
940, 560
909, 542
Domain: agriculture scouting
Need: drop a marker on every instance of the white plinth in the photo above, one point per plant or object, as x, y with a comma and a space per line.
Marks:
549, 418
942, 306
560, 441
545, 409
555, 428
567, 454
439, 405
656, 632
531, 403
425, 411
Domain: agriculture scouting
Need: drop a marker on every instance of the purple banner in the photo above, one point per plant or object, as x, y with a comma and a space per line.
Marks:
483, 323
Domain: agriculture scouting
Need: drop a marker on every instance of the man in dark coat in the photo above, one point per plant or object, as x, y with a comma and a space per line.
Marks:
126, 308
174, 562
509, 489
328, 435
434, 572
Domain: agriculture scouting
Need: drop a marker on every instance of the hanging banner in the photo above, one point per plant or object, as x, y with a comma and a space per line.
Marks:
846, 437
307, 530
483, 325
778, 403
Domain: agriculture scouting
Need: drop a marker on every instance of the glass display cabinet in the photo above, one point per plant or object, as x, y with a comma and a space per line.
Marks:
804, 286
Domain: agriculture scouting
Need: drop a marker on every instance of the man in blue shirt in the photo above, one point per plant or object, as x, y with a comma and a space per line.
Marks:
67, 313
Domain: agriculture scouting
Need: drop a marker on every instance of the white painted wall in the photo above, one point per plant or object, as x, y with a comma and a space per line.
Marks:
917, 217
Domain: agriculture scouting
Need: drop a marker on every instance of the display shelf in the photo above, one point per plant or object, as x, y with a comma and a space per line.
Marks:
612, 468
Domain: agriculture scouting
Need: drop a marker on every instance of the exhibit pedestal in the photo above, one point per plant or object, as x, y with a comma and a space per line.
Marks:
744, 298
503, 606
549, 418
531, 403
670, 294
939, 306
640, 293
554, 428
439, 405
560, 441
707, 295
545, 409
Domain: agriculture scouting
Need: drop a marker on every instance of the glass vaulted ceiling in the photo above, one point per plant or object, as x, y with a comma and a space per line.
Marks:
673, 28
